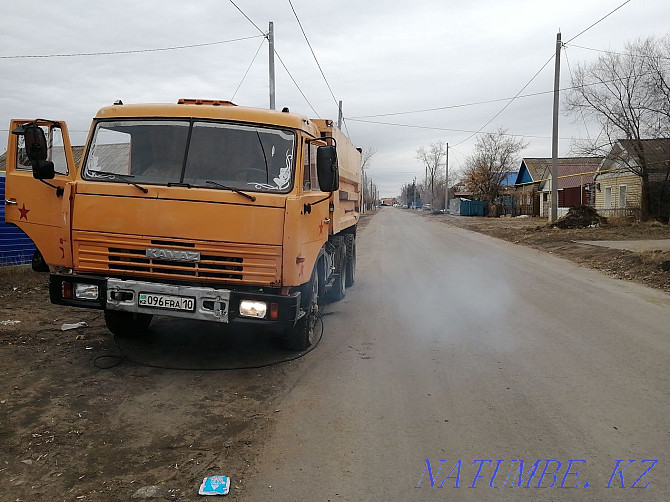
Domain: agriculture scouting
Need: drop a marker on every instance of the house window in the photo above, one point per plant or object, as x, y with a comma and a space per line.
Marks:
608, 197
622, 195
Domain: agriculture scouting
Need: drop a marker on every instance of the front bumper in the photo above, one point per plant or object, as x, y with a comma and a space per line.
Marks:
205, 303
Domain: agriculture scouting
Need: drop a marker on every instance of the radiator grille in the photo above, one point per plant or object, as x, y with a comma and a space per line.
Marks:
237, 263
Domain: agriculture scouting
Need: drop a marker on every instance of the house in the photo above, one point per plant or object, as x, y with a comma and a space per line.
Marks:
575, 184
526, 198
619, 190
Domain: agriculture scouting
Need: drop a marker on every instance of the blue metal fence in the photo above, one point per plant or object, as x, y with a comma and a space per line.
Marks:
15, 247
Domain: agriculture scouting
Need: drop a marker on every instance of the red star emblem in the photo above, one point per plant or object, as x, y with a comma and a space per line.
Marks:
24, 212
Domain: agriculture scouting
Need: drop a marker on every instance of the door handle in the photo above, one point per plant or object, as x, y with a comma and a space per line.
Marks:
326, 221
10, 202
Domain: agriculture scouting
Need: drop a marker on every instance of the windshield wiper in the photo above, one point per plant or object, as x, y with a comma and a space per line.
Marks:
124, 177
243, 194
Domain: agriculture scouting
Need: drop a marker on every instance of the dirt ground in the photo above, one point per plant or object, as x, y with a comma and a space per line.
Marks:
173, 411
168, 410
72, 431
643, 267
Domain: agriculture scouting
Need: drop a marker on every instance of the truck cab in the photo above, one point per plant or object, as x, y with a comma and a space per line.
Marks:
200, 209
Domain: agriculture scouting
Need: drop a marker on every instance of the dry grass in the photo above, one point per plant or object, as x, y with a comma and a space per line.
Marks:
653, 257
15, 272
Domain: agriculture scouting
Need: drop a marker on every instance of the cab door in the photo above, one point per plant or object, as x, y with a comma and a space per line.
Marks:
42, 208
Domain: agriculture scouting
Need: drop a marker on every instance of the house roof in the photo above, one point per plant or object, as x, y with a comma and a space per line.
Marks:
656, 152
77, 151
532, 170
539, 170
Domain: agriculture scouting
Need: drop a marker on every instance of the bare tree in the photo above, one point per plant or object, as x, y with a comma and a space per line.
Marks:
367, 155
368, 192
657, 54
494, 158
628, 95
432, 158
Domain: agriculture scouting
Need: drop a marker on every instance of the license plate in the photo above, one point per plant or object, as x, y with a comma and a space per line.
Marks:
166, 302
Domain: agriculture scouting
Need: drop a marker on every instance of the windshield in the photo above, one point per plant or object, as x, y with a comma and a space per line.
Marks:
196, 153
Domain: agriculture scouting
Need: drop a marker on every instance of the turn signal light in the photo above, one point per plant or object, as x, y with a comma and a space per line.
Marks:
66, 290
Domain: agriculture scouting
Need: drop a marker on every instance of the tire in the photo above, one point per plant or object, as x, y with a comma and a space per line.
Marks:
38, 264
303, 335
127, 323
350, 268
338, 290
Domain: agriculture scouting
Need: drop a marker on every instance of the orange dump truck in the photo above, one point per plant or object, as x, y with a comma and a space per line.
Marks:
200, 209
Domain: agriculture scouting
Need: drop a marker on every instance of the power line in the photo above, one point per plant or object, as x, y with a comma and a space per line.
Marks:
296, 84
317, 61
279, 57
449, 107
249, 19
249, 68
510, 102
489, 101
598, 21
313, 54
616, 53
108, 53
538, 72
414, 126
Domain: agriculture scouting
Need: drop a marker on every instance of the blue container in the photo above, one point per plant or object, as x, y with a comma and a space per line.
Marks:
473, 208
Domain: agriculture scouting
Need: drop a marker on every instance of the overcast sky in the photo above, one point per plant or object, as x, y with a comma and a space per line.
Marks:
379, 58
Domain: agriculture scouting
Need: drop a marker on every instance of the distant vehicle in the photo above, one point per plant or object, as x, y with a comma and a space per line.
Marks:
416, 205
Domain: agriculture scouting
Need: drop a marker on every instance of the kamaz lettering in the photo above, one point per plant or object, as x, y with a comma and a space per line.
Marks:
173, 255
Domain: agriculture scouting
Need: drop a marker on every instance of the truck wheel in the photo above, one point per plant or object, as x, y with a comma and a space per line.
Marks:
38, 264
350, 269
338, 290
127, 323
301, 336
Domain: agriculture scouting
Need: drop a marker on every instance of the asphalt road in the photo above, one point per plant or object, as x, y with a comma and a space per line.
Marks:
466, 354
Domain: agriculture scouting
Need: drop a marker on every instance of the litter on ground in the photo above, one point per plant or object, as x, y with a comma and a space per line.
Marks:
215, 485
68, 326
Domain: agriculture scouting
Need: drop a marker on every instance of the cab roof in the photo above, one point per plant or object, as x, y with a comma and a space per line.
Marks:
209, 109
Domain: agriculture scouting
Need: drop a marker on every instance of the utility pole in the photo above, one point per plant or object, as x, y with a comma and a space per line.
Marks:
414, 193
339, 116
446, 183
554, 135
363, 192
372, 196
271, 43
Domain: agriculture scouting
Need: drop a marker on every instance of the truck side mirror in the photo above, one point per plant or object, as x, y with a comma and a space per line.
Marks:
326, 168
43, 170
36, 150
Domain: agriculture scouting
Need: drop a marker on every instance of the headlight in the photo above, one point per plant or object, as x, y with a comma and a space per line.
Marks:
86, 291
253, 308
